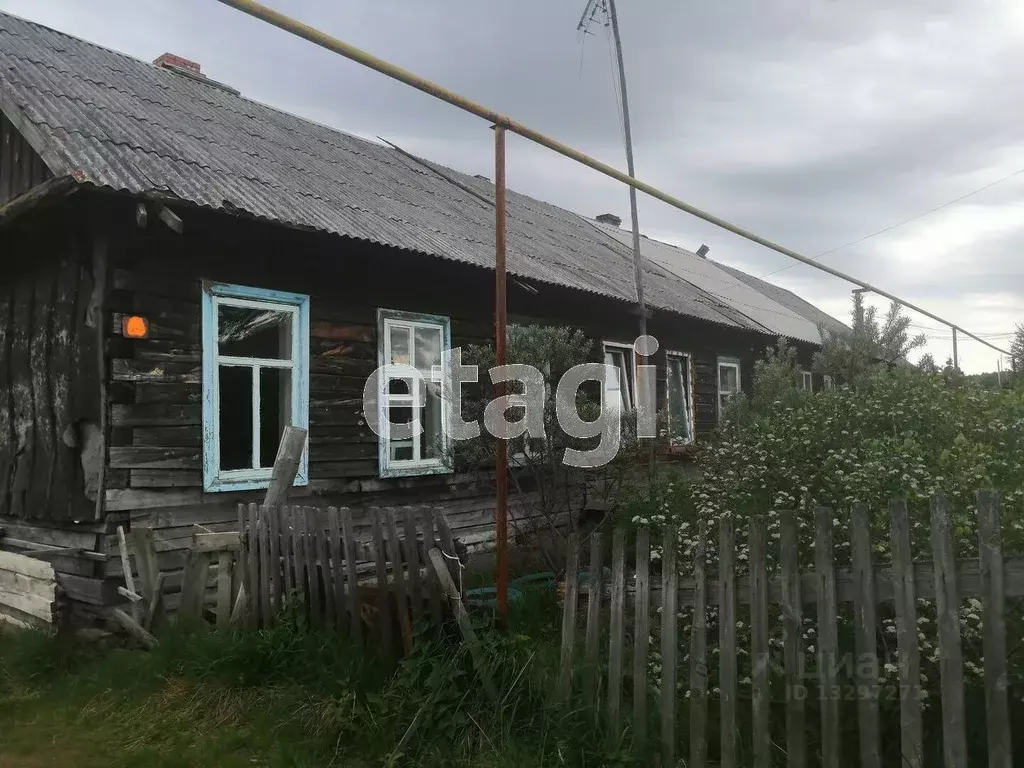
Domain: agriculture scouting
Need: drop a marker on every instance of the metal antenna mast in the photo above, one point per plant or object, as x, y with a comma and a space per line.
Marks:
589, 13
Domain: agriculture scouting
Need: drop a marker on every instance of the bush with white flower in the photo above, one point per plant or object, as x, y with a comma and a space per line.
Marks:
898, 434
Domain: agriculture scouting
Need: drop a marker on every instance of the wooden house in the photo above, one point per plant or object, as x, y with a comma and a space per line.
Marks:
183, 271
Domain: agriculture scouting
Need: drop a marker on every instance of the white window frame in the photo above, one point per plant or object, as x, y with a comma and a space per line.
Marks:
828, 382
806, 381
387, 466
687, 388
726, 362
629, 359
214, 296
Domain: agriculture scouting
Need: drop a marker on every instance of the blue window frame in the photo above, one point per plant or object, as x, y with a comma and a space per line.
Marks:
255, 382
417, 340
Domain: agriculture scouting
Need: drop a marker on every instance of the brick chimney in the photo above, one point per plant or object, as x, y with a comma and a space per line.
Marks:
609, 218
178, 63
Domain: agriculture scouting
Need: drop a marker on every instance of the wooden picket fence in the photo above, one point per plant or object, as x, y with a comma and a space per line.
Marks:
311, 561
943, 579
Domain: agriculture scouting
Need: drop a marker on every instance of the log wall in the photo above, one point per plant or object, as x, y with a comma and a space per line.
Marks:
49, 375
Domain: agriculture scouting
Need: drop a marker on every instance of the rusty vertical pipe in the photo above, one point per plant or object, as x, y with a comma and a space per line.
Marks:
500, 337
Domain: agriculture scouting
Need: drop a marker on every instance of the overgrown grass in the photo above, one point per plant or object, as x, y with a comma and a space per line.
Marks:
293, 697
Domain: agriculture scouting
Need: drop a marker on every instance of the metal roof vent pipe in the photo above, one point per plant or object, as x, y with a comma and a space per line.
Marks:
703, 251
609, 218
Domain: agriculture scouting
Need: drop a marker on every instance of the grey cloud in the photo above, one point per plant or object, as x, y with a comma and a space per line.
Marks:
812, 123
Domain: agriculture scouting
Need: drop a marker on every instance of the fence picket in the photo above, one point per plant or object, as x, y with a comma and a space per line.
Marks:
384, 611
444, 534
793, 650
699, 657
993, 589
242, 572
253, 587
828, 637
412, 559
224, 567
591, 678
761, 695
398, 575
324, 571
569, 616
430, 584
911, 743
669, 627
947, 604
727, 641
266, 565
337, 575
274, 519
641, 639
310, 525
352, 577
288, 561
615, 634
299, 559
865, 626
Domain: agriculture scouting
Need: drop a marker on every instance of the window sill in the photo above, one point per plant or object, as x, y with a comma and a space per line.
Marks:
415, 471
222, 485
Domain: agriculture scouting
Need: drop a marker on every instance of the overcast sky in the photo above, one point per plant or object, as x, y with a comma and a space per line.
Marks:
813, 123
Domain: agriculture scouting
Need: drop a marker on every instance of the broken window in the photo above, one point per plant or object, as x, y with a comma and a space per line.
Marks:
413, 440
680, 406
255, 382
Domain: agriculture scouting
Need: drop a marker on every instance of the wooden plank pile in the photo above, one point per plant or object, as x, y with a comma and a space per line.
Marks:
28, 591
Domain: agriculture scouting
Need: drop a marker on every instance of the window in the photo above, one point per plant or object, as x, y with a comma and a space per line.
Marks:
806, 381
728, 381
828, 382
255, 382
620, 357
405, 338
680, 407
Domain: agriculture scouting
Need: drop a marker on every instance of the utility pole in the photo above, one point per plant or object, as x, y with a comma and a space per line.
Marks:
956, 356
588, 13
638, 259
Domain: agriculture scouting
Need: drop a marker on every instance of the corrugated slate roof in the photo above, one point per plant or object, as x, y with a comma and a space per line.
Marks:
774, 316
789, 299
114, 121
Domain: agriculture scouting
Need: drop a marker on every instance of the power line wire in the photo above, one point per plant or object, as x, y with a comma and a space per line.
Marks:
900, 224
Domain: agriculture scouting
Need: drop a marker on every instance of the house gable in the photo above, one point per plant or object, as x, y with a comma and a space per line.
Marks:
21, 167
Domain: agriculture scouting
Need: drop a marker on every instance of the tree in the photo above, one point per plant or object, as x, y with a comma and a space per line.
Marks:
544, 489
1017, 350
848, 356
927, 364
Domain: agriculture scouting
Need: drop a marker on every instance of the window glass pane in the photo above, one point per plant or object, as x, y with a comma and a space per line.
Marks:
235, 413
430, 420
678, 399
247, 332
728, 378
428, 348
400, 386
275, 411
400, 442
400, 345
611, 383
